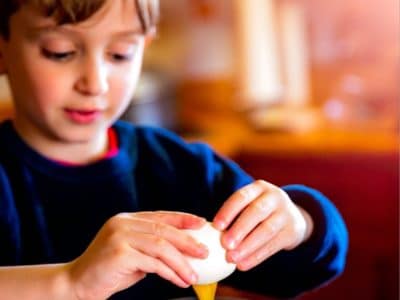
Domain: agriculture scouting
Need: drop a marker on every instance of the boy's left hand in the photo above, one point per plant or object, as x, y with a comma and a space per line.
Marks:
259, 220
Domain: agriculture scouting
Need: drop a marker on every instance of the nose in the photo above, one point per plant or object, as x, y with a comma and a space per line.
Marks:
93, 78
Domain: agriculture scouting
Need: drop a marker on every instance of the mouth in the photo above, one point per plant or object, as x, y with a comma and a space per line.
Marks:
83, 116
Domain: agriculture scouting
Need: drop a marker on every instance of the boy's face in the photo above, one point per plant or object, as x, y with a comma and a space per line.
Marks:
70, 82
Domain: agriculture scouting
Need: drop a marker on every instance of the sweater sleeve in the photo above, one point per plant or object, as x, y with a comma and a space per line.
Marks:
312, 264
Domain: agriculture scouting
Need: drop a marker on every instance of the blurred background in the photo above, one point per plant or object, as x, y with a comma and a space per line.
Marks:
295, 91
284, 65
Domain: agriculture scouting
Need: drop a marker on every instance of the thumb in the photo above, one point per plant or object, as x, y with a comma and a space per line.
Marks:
179, 220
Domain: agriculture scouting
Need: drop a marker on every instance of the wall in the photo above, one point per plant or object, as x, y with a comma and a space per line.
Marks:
352, 55
355, 60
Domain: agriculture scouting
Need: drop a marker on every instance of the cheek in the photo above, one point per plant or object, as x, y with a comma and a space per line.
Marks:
127, 78
47, 91
124, 87
49, 82
38, 82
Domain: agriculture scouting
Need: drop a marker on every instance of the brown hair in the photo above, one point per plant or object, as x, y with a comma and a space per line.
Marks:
74, 11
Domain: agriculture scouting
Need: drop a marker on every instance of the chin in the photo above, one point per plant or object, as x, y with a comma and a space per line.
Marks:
80, 136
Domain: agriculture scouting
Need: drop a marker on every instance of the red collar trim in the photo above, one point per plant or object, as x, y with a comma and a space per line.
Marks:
113, 146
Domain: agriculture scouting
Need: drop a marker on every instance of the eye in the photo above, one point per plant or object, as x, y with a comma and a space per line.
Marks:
117, 57
57, 56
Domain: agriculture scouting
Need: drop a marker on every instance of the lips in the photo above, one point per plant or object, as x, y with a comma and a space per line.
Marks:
83, 116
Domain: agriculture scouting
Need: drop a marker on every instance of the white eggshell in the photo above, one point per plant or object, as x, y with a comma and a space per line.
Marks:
214, 267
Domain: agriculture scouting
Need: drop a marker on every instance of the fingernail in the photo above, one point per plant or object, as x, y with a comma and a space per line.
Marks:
193, 278
219, 224
231, 243
202, 220
202, 250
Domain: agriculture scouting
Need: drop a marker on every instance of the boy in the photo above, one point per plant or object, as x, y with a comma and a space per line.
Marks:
89, 207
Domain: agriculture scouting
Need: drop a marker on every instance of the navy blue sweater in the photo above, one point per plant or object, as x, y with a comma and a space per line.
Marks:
49, 213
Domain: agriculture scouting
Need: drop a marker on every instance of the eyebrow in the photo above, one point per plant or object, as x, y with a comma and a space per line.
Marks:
128, 33
35, 32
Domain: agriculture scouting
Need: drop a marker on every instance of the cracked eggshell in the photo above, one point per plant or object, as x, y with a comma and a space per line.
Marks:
214, 267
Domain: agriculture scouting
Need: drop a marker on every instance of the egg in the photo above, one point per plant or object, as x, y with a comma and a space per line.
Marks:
214, 267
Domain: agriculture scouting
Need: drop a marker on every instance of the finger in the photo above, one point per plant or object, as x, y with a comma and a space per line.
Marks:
178, 220
162, 250
256, 212
261, 235
150, 264
137, 276
180, 239
273, 246
237, 202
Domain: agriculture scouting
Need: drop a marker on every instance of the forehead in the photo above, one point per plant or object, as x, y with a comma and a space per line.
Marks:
118, 15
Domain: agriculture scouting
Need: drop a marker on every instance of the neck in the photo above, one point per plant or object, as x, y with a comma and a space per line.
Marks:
70, 152
79, 153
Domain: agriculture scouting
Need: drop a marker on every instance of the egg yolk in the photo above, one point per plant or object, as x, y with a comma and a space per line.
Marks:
205, 291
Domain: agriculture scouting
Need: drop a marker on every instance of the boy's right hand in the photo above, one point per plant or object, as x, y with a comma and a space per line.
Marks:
129, 246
